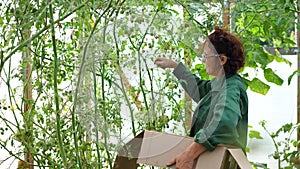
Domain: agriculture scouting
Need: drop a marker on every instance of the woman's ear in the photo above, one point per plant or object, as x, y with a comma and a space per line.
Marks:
223, 59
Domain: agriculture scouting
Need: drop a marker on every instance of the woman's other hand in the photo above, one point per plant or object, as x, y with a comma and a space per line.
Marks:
185, 160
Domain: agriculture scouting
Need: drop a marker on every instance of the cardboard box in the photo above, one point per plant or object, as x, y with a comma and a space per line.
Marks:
156, 149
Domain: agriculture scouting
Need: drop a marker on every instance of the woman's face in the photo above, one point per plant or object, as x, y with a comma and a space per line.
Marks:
211, 59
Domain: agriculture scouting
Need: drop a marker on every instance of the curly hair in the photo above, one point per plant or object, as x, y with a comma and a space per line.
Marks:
229, 45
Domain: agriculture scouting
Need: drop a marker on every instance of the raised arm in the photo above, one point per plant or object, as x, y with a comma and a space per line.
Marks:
192, 84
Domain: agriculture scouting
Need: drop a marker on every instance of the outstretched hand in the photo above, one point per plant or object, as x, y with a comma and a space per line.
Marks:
163, 62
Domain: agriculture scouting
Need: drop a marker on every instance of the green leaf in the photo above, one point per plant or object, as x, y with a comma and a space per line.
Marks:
247, 149
261, 165
271, 76
296, 143
298, 26
258, 86
291, 76
287, 127
280, 59
261, 57
198, 66
255, 134
246, 83
289, 42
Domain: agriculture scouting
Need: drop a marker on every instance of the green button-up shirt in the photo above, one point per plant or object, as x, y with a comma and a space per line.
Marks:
221, 116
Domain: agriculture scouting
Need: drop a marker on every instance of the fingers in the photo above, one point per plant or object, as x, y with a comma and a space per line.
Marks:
163, 62
160, 62
172, 162
159, 59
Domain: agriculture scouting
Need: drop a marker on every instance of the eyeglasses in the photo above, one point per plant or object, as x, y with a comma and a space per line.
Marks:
204, 57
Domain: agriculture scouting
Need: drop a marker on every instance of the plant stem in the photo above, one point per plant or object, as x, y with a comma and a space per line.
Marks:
79, 81
122, 77
95, 115
275, 144
122, 88
140, 71
104, 116
56, 97
10, 96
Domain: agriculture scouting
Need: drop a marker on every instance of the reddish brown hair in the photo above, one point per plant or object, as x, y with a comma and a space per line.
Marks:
229, 45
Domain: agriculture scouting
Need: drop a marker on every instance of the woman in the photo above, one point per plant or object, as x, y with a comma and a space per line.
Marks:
221, 116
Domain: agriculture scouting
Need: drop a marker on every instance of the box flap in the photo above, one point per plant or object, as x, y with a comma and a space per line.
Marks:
128, 154
240, 158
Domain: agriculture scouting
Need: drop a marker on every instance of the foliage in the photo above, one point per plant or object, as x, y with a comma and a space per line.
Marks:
286, 151
91, 77
261, 24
